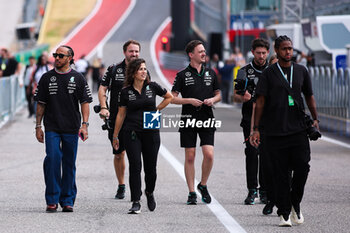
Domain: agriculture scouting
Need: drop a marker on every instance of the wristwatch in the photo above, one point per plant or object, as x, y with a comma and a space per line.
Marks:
85, 123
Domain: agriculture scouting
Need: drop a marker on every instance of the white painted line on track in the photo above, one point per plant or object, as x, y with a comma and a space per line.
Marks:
82, 24
153, 53
334, 141
112, 31
224, 217
108, 35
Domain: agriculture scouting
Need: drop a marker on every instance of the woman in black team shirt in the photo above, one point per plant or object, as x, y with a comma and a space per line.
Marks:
139, 96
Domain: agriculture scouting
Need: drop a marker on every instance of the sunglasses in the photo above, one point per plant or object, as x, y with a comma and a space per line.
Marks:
60, 55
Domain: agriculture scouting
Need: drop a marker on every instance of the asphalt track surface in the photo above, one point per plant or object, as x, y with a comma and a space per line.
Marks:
325, 206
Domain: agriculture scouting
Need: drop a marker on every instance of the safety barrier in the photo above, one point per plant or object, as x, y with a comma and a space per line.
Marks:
12, 97
331, 91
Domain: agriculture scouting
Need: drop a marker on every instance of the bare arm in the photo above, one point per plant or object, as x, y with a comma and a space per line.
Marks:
259, 108
179, 100
213, 100
85, 112
102, 98
40, 110
167, 99
241, 98
118, 125
311, 104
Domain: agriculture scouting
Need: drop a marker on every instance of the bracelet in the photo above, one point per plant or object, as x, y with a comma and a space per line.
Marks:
37, 126
115, 138
85, 123
104, 108
318, 121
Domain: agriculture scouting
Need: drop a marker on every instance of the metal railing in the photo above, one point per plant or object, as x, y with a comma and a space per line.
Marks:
12, 97
331, 91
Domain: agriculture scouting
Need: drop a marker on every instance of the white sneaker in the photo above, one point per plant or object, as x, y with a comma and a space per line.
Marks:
284, 223
295, 218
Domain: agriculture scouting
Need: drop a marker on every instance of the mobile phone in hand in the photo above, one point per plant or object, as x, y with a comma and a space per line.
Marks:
81, 135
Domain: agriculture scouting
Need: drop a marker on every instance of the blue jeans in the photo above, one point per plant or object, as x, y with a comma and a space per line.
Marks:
61, 153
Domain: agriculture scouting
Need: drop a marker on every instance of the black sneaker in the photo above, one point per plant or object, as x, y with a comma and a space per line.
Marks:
250, 200
268, 208
135, 208
120, 192
192, 198
151, 203
263, 197
204, 192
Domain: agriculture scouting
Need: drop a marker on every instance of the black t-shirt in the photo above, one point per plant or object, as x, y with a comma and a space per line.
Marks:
10, 66
280, 119
253, 72
115, 82
192, 84
61, 93
136, 104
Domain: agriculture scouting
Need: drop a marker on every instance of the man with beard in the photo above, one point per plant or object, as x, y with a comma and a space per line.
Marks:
113, 81
280, 102
254, 156
58, 94
199, 90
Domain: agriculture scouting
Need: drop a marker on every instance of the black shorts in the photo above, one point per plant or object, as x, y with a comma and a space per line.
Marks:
188, 139
121, 141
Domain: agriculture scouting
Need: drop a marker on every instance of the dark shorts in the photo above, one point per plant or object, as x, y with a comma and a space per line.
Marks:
121, 141
188, 139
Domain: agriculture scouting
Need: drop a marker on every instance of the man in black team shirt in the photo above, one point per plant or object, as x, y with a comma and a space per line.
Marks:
254, 156
59, 93
280, 103
114, 80
199, 92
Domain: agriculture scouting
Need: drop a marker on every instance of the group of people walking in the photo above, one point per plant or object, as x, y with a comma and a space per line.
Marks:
273, 129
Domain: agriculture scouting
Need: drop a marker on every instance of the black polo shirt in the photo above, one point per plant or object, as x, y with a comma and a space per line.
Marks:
252, 72
137, 103
192, 84
115, 82
280, 119
61, 93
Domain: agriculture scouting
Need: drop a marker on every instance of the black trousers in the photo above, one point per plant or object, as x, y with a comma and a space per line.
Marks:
146, 143
252, 163
267, 168
30, 100
290, 157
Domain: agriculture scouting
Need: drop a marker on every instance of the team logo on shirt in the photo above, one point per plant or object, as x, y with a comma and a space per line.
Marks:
188, 74
53, 79
119, 70
250, 71
151, 120
207, 73
72, 79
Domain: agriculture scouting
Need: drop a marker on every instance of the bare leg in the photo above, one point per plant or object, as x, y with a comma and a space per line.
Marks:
190, 154
207, 164
119, 167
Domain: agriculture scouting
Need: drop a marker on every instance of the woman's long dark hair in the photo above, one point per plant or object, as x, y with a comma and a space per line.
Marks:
131, 69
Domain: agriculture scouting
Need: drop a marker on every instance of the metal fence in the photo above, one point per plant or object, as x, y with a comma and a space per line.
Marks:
12, 97
331, 90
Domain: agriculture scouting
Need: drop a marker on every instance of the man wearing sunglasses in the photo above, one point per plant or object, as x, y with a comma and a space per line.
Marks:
59, 93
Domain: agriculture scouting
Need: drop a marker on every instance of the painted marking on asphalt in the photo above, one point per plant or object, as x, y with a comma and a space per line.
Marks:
153, 52
339, 143
224, 217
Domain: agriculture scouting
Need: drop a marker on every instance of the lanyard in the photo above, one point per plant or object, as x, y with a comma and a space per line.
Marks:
285, 76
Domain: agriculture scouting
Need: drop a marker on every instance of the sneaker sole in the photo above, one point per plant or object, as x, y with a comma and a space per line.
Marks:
205, 202
134, 212
191, 203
